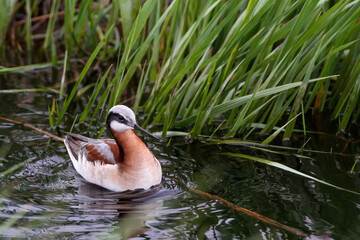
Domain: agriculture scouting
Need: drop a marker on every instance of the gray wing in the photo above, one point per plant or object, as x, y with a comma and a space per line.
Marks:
75, 142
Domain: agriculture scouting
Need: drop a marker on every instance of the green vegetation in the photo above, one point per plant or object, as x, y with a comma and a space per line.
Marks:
285, 168
197, 64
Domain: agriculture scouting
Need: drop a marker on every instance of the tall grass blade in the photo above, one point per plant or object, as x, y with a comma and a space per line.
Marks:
25, 68
51, 24
81, 77
69, 24
94, 95
28, 31
48, 90
135, 31
63, 76
139, 23
233, 103
6, 12
276, 133
286, 168
126, 16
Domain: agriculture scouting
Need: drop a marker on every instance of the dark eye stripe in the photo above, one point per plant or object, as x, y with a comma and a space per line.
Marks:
117, 117
121, 119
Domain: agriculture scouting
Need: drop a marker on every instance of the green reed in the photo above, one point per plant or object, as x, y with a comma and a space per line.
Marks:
241, 63
6, 11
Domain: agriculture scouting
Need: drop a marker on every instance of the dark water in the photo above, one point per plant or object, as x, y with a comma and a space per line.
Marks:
47, 199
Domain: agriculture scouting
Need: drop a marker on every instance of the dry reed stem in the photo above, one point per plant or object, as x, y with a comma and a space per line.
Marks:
34, 128
49, 15
246, 211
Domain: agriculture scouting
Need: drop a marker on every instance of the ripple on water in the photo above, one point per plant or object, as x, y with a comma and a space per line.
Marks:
58, 203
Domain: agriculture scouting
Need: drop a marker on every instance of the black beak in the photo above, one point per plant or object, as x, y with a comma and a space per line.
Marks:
137, 127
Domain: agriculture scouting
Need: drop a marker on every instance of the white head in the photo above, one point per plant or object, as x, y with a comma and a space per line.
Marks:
121, 118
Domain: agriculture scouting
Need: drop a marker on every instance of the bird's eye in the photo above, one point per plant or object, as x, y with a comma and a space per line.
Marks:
121, 118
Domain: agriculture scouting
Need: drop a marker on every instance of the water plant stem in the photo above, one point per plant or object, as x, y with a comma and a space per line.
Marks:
248, 212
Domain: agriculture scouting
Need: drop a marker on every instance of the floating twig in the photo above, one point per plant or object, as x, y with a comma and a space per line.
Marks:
57, 138
245, 211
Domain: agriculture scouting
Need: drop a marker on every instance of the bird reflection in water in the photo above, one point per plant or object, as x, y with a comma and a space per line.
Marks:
129, 210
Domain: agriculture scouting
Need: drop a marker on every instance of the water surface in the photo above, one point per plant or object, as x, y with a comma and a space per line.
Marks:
52, 200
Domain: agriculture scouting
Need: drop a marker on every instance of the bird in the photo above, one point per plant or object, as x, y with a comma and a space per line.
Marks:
119, 164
